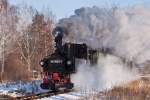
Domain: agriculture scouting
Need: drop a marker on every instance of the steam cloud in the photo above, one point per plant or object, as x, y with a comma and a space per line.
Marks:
110, 71
124, 31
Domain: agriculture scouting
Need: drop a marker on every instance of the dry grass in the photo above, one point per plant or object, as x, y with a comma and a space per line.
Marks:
135, 90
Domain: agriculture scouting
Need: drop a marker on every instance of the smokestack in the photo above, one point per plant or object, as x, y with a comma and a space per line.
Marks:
58, 33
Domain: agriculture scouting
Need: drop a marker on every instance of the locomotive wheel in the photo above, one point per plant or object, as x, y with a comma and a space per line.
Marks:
69, 85
52, 86
44, 86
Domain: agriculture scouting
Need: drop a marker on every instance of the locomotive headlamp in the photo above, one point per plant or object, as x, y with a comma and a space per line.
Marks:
68, 62
42, 63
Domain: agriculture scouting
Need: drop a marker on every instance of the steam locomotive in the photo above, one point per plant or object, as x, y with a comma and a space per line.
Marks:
58, 66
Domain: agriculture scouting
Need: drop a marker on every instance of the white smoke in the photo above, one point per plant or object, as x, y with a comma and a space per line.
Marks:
124, 31
110, 71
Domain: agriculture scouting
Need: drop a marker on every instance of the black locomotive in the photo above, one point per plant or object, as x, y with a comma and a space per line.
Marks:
58, 66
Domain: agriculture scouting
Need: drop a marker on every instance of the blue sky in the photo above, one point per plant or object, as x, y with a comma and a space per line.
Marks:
65, 8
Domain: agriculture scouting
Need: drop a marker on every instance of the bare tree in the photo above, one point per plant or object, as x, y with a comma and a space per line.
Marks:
7, 32
26, 31
26, 42
41, 29
35, 40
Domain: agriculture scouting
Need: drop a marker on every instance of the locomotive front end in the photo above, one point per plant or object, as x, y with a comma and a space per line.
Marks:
55, 73
57, 67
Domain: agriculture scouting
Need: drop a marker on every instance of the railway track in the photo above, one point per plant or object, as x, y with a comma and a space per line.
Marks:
34, 96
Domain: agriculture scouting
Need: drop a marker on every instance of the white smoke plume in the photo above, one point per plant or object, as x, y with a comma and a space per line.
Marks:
110, 71
125, 31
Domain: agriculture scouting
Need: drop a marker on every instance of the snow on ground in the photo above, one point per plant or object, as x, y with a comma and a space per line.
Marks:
71, 96
81, 94
20, 88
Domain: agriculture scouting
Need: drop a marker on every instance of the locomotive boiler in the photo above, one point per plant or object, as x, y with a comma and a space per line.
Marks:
58, 66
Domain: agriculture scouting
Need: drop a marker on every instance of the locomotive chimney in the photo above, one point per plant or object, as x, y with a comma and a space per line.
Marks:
58, 33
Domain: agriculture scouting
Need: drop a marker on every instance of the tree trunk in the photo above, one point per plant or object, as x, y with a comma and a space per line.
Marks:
3, 60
